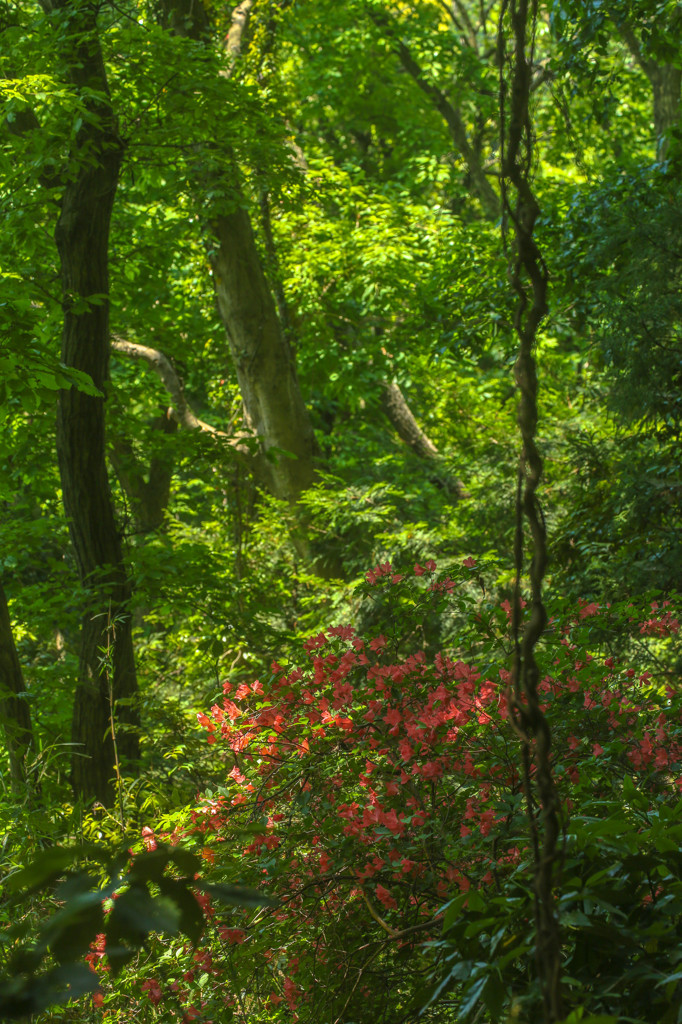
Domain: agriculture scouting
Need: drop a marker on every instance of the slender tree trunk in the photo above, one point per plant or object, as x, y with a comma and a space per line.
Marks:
107, 684
15, 712
665, 81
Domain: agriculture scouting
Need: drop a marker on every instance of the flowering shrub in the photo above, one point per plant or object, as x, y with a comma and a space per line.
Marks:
374, 791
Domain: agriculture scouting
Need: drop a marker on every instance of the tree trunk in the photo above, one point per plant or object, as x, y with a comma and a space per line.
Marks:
666, 82
266, 372
15, 712
107, 684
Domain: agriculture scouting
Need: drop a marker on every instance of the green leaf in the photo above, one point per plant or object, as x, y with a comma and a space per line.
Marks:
454, 911
191, 922
150, 865
493, 995
236, 895
48, 865
473, 994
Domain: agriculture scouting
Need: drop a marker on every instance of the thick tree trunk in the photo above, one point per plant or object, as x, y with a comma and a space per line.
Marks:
107, 686
266, 371
666, 82
15, 712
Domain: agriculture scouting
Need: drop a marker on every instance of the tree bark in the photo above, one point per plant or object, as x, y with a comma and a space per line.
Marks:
15, 712
273, 405
407, 428
107, 684
666, 82
238, 27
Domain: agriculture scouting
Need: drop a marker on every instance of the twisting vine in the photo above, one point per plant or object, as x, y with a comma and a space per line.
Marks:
528, 275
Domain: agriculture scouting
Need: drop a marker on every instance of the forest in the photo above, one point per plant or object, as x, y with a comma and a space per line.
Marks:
341, 534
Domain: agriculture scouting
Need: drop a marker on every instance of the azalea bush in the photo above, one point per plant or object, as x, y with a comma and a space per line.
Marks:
374, 791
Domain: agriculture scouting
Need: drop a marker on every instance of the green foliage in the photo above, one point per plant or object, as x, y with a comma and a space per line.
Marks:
121, 905
385, 269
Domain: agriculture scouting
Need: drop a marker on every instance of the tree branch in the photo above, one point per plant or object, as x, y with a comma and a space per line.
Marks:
402, 418
376, 916
397, 933
452, 117
238, 28
181, 411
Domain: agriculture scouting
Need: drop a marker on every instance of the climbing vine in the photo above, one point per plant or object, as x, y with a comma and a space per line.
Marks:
528, 275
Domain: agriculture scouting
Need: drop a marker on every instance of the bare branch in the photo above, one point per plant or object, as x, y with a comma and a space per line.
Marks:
376, 916
398, 933
451, 116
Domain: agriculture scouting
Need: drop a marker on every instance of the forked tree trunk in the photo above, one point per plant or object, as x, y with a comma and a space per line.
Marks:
107, 684
665, 80
15, 712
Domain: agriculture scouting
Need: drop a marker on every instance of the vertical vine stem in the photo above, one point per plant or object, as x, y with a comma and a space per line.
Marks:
528, 276
108, 668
